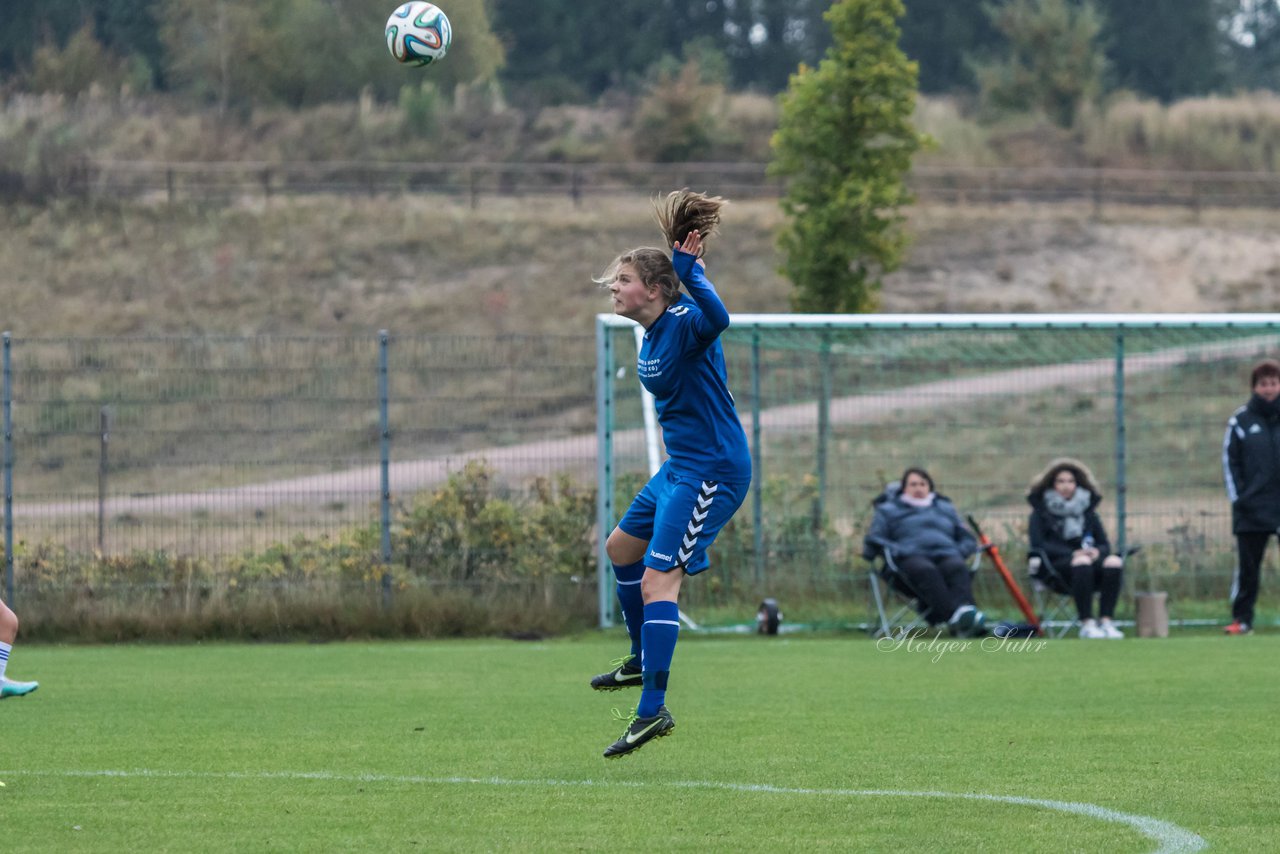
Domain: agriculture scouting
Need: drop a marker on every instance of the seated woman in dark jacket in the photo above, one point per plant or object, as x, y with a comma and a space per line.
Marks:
1066, 529
923, 535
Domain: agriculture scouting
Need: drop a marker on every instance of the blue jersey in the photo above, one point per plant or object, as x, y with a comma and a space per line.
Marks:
681, 363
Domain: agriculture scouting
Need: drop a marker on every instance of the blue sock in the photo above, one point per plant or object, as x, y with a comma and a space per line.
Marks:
631, 601
661, 628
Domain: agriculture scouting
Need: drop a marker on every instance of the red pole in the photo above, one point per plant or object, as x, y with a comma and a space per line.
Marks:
1014, 590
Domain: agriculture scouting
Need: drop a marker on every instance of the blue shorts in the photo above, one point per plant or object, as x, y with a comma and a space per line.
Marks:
680, 517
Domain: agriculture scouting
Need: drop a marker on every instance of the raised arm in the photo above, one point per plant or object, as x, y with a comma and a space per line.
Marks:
690, 269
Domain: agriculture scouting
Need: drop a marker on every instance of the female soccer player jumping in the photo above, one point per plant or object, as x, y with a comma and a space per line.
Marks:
665, 533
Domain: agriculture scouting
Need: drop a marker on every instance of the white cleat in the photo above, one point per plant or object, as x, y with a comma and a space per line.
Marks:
10, 688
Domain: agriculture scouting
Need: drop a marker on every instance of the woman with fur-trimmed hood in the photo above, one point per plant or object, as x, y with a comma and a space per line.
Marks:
1067, 535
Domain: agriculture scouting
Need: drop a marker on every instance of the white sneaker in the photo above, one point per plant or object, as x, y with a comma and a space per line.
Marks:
1090, 630
1109, 630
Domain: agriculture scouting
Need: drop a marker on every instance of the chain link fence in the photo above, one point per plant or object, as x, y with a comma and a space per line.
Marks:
838, 407
168, 472
174, 474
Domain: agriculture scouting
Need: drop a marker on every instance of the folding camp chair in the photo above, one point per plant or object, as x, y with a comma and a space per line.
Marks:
1052, 593
1051, 596
887, 583
897, 605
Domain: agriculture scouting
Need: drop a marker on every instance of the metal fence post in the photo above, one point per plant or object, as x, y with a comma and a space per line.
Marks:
384, 463
104, 437
757, 461
824, 433
1121, 484
8, 472
604, 469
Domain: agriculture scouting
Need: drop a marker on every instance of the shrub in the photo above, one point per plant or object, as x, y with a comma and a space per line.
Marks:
420, 107
679, 119
470, 558
73, 69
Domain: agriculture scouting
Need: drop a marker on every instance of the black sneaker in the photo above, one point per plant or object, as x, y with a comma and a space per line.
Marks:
639, 731
623, 675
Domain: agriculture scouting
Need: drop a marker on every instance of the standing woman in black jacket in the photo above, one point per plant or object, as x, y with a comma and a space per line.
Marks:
1066, 529
1251, 468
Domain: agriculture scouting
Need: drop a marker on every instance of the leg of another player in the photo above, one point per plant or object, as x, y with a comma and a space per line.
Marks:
8, 634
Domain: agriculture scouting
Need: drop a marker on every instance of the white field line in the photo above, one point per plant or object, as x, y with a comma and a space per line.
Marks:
579, 452
1169, 838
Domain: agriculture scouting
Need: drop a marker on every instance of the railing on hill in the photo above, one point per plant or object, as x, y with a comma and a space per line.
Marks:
202, 181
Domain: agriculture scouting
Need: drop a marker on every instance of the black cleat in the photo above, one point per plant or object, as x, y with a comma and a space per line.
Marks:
639, 731
623, 675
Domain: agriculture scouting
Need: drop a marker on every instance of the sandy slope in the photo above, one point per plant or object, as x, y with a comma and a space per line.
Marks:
1004, 260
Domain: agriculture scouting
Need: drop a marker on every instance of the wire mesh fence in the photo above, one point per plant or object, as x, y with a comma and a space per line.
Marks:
836, 408
162, 466
177, 473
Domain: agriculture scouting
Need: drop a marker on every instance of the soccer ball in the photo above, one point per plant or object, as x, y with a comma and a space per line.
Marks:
418, 33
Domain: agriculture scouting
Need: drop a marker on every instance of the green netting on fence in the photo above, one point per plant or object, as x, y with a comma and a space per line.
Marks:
837, 407
468, 464
152, 462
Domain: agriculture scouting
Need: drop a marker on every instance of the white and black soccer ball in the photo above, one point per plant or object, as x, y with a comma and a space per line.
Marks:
418, 33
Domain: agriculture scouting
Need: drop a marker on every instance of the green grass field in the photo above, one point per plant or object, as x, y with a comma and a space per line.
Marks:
786, 743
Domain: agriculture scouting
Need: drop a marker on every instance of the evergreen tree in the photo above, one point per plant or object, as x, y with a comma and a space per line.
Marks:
1253, 28
767, 40
557, 52
128, 28
26, 25
1054, 62
218, 49
940, 35
1167, 49
77, 67
242, 53
844, 143
125, 29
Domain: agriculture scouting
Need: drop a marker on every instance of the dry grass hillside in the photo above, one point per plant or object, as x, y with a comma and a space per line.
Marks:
425, 263
422, 264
